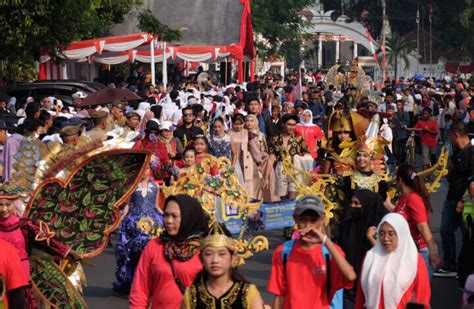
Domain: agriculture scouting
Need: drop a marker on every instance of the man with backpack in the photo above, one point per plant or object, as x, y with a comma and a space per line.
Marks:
309, 272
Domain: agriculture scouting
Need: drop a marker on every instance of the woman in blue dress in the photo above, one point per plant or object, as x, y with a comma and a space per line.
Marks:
132, 236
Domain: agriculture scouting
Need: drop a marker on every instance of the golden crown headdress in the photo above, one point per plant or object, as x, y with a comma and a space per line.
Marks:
218, 238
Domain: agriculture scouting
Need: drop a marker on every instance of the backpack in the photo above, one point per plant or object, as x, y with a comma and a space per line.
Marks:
337, 300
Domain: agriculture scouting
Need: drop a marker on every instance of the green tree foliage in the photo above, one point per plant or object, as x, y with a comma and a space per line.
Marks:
29, 26
148, 23
397, 47
277, 22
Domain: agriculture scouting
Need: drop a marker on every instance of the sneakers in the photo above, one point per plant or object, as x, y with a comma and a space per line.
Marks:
445, 273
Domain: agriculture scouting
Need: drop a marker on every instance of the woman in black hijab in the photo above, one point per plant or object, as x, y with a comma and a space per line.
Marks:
365, 209
169, 265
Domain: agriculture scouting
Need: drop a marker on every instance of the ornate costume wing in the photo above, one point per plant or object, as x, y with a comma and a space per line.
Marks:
308, 183
83, 210
51, 284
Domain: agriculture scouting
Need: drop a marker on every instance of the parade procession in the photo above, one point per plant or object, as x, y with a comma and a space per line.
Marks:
236, 154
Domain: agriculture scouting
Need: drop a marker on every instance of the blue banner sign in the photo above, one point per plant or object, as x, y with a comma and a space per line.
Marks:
270, 216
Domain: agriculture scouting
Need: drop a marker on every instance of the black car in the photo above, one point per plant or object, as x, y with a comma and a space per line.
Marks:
60, 89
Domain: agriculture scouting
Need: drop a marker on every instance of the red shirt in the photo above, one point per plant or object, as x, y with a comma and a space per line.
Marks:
413, 209
419, 291
154, 280
304, 284
428, 138
10, 268
311, 135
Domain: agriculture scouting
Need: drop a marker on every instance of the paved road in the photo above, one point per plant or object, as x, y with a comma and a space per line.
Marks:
98, 294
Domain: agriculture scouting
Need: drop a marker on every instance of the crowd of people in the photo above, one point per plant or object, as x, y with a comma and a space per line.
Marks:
379, 253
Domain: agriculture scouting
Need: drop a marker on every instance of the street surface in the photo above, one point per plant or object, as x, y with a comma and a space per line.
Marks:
444, 294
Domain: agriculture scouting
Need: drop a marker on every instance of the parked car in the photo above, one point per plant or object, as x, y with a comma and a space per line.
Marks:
60, 89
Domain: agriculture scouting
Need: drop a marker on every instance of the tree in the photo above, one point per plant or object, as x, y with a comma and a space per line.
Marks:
30, 26
397, 47
280, 26
148, 23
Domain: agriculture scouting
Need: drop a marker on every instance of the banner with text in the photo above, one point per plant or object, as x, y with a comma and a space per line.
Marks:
269, 216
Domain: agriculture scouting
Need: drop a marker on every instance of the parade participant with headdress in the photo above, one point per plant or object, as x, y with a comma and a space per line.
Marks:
219, 285
343, 127
393, 272
132, 239
169, 265
25, 235
369, 166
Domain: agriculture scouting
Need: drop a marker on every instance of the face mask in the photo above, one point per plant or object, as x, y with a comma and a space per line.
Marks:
354, 213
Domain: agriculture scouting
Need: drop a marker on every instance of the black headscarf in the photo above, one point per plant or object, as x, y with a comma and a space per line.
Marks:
356, 221
193, 226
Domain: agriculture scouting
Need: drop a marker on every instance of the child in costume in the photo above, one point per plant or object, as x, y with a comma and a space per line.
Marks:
26, 235
219, 285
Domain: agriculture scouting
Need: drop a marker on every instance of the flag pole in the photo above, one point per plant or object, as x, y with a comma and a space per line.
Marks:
418, 28
431, 41
152, 60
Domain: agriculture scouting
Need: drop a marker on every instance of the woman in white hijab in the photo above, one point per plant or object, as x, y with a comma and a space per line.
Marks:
310, 132
393, 272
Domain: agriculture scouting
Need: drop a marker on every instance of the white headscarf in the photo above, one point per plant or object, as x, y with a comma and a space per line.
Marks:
395, 270
307, 124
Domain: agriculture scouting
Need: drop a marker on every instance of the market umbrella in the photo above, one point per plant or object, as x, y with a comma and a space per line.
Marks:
108, 95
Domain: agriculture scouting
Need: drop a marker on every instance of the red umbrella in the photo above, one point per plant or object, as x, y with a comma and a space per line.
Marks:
108, 95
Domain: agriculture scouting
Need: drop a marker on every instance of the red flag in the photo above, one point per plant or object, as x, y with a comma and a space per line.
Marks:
371, 44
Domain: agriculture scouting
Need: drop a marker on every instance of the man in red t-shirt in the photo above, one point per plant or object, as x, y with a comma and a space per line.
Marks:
301, 282
428, 130
12, 276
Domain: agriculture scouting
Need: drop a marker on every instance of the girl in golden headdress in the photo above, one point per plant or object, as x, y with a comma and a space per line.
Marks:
219, 285
369, 165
